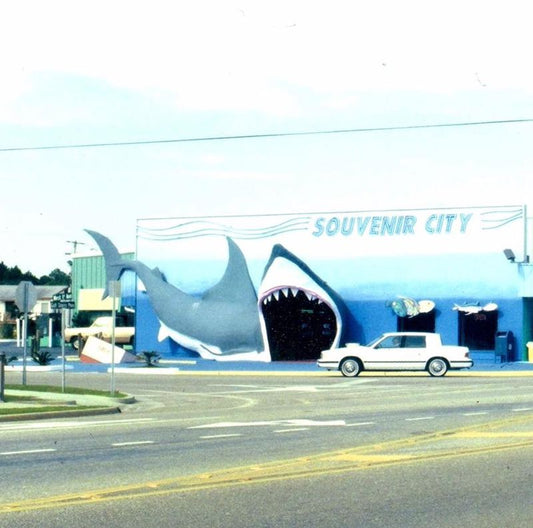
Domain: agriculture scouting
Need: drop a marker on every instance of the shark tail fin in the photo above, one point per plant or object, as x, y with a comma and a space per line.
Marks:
114, 264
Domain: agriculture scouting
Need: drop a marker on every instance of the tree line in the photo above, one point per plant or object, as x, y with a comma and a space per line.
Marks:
13, 275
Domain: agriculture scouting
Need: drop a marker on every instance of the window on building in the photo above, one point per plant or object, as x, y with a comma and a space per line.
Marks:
423, 322
477, 331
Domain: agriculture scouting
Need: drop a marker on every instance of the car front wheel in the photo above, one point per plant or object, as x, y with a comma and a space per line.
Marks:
437, 367
350, 367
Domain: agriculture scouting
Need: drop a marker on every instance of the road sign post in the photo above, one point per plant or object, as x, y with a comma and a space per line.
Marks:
114, 290
62, 302
2, 375
25, 299
63, 350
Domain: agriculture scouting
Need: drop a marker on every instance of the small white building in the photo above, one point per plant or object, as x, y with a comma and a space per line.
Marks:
41, 314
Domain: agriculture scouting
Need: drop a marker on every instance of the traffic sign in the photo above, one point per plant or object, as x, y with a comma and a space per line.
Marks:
58, 305
61, 300
25, 296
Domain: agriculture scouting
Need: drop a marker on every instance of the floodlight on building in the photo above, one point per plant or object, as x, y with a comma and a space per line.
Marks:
509, 255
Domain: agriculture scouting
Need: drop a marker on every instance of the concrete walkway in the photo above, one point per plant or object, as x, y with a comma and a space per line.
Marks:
197, 365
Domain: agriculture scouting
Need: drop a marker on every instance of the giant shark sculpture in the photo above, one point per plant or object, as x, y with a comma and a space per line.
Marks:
229, 321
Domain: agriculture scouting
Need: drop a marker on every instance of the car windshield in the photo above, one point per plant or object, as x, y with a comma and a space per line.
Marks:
374, 341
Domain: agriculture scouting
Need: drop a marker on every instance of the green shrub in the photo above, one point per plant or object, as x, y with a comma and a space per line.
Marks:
7, 331
42, 357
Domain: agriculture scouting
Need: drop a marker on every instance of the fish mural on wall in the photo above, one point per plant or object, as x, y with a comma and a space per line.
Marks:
407, 307
294, 315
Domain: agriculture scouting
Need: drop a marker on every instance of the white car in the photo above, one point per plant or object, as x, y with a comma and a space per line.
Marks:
397, 351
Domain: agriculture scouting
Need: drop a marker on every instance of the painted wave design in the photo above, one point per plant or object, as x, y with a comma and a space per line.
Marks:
499, 218
204, 228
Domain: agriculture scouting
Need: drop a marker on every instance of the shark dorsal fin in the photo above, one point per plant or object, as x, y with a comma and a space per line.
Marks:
236, 284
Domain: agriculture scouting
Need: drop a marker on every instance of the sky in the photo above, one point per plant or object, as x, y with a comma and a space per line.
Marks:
108, 72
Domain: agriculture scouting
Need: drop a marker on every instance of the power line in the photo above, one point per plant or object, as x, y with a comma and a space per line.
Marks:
267, 135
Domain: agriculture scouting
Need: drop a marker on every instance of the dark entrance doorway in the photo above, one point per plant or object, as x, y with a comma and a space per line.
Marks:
298, 328
423, 322
477, 330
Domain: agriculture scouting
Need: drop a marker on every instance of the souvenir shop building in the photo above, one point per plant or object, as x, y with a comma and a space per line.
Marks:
284, 287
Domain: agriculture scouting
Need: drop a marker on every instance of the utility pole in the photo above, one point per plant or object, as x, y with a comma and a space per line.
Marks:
75, 244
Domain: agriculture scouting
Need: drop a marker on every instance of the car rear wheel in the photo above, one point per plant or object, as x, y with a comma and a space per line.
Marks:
350, 367
437, 367
75, 342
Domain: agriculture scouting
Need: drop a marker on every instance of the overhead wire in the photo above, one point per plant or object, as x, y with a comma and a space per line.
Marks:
265, 135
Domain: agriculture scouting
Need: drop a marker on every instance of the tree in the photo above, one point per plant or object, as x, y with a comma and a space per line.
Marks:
14, 275
55, 278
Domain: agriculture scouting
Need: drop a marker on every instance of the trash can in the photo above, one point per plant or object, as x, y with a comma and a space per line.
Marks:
504, 346
530, 351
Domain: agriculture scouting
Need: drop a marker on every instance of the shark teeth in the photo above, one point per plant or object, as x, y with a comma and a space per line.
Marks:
286, 292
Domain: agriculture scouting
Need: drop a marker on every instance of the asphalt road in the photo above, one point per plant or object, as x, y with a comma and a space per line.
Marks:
278, 451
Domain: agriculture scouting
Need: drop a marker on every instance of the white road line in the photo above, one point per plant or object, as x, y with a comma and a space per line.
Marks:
209, 437
292, 430
359, 424
27, 452
302, 422
419, 418
73, 424
139, 442
480, 413
522, 409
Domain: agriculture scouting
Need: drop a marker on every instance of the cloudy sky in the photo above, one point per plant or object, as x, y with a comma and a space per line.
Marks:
107, 72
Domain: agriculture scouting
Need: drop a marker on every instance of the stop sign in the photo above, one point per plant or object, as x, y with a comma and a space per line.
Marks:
25, 296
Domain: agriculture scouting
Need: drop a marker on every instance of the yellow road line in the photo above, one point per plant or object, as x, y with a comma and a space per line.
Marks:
356, 459
477, 434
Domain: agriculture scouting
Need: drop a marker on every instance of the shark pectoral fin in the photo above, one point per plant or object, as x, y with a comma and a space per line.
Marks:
163, 333
213, 350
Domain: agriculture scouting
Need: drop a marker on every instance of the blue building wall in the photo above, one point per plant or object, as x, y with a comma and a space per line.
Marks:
370, 319
369, 259
468, 279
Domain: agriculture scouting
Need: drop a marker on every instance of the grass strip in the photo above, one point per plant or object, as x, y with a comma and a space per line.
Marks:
68, 390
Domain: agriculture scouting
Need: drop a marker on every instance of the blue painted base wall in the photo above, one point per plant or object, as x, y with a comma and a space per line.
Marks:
444, 279
371, 318
365, 321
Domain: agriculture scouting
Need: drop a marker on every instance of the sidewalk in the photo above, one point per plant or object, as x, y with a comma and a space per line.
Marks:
197, 365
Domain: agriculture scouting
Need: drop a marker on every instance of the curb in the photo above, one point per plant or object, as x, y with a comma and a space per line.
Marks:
109, 406
374, 374
59, 414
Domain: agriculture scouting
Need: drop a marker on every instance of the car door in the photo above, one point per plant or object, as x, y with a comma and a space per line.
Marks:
414, 347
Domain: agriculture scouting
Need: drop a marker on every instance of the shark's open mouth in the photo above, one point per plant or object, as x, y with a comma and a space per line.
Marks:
298, 315
298, 324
